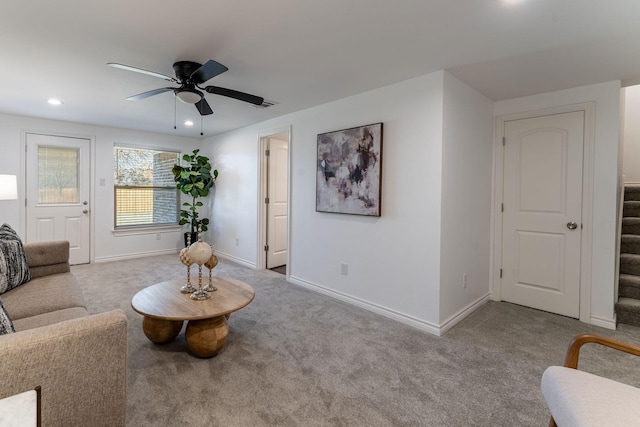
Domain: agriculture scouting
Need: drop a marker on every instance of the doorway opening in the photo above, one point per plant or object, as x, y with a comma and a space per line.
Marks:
273, 248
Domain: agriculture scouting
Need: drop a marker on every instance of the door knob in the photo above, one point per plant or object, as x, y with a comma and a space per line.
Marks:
572, 225
85, 203
85, 211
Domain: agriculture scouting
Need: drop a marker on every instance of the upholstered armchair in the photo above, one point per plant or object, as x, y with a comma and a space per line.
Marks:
578, 398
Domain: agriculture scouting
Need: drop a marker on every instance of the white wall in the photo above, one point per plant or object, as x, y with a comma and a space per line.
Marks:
466, 199
394, 260
631, 162
604, 218
235, 199
105, 245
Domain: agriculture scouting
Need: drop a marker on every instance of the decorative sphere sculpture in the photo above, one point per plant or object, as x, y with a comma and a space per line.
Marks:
200, 252
184, 257
211, 262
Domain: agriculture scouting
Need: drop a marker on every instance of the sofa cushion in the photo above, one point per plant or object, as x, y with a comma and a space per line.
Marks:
6, 325
43, 295
45, 258
49, 318
14, 269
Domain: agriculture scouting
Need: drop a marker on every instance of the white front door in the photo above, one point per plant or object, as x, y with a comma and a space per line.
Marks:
57, 191
277, 206
542, 196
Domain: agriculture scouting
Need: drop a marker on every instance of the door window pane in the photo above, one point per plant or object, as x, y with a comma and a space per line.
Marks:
58, 171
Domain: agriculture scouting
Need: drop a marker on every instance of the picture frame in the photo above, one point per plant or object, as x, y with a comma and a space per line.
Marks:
349, 171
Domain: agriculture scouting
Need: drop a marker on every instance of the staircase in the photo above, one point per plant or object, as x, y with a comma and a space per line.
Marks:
628, 305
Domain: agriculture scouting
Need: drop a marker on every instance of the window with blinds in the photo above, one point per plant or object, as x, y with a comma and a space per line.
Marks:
144, 190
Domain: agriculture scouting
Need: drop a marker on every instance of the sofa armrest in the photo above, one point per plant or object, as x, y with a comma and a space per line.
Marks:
45, 258
81, 365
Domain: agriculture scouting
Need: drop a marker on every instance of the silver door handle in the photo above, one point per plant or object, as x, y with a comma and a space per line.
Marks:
85, 211
572, 225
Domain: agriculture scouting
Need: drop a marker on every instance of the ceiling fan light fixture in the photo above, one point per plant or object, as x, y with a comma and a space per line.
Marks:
189, 96
189, 75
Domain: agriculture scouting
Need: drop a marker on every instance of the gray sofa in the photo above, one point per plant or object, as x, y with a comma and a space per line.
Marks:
79, 360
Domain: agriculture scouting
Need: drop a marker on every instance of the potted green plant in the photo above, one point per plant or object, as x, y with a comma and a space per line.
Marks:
194, 179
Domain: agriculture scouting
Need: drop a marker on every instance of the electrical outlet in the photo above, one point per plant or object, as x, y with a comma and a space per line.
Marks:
237, 241
464, 280
158, 236
344, 268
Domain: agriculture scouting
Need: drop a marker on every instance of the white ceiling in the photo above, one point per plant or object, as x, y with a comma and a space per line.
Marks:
298, 53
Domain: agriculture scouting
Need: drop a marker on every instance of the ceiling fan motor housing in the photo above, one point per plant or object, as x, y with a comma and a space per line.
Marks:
184, 70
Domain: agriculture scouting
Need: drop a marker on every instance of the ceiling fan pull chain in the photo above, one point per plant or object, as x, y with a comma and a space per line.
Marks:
175, 113
201, 134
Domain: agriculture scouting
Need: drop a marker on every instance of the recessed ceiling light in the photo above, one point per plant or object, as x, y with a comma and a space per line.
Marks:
188, 123
511, 2
54, 101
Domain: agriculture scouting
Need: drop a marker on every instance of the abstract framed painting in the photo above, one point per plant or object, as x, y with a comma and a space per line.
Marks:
349, 175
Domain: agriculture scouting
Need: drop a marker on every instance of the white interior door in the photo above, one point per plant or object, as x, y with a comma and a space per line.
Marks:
542, 196
277, 206
58, 186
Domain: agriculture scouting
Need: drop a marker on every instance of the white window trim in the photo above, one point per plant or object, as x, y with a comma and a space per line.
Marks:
133, 231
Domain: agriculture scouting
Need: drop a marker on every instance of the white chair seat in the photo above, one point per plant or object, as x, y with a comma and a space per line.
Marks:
578, 398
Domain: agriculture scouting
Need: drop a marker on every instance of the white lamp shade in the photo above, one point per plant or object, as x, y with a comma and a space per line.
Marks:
188, 96
8, 187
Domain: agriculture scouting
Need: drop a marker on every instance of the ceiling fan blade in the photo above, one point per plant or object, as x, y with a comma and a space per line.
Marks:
144, 95
252, 99
140, 70
203, 107
207, 71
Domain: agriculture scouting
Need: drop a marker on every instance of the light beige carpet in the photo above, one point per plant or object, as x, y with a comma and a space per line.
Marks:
296, 358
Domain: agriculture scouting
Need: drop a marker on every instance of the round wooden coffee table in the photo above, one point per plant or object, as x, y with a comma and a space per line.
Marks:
165, 309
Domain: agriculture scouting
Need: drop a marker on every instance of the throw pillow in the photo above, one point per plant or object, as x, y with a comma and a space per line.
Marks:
6, 325
14, 270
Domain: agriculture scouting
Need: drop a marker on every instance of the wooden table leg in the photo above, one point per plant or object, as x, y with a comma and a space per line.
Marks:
206, 337
161, 331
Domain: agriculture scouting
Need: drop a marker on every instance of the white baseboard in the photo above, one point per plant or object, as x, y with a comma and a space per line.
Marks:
133, 256
378, 309
459, 316
235, 259
604, 323
593, 320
